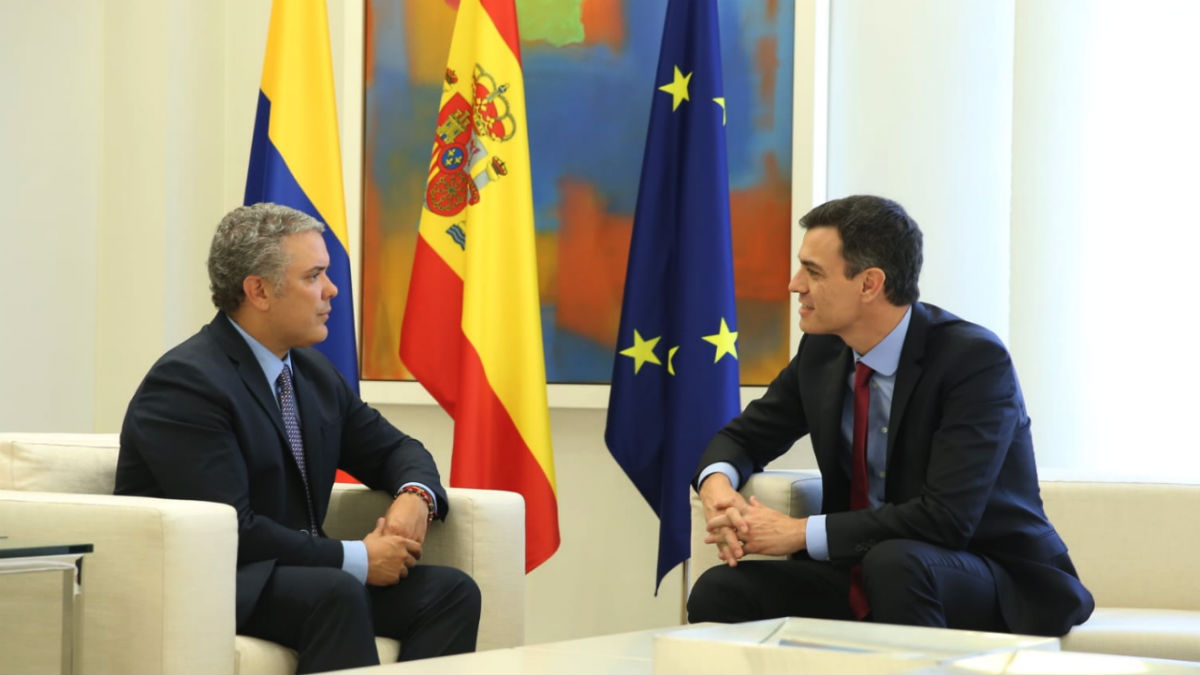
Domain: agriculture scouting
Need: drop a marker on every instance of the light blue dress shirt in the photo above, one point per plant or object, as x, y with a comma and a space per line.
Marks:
884, 359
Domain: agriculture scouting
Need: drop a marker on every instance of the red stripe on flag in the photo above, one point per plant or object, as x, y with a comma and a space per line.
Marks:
489, 452
431, 335
504, 17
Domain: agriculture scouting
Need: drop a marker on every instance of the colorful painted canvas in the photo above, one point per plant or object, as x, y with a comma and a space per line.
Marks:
589, 67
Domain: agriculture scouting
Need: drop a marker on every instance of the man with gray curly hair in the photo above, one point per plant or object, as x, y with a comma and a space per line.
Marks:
246, 413
249, 240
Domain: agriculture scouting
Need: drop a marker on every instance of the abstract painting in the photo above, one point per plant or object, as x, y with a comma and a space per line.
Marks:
589, 68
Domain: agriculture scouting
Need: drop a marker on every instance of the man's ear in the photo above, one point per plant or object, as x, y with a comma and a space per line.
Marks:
259, 292
872, 283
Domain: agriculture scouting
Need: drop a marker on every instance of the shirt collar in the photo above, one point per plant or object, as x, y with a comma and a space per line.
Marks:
884, 358
271, 365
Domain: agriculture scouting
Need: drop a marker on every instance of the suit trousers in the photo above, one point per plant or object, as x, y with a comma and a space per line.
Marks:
331, 619
906, 582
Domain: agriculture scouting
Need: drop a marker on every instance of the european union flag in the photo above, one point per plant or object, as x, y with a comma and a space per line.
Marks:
675, 377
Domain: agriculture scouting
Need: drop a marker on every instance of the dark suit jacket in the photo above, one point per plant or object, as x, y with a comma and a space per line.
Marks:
960, 466
204, 424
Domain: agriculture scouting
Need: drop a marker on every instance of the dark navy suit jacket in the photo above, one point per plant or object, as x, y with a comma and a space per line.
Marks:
204, 424
960, 465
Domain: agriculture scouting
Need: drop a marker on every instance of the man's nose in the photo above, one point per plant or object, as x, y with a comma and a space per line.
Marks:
331, 289
797, 285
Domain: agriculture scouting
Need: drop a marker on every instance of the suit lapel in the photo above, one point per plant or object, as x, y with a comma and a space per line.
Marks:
833, 395
826, 387
908, 372
238, 351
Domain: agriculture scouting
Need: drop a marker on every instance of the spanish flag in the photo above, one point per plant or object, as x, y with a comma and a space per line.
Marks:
472, 331
295, 157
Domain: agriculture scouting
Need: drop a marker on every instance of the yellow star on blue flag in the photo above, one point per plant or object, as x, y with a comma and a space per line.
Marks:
641, 352
677, 88
725, 340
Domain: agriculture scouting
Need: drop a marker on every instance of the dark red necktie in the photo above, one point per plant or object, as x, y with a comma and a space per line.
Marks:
859, 486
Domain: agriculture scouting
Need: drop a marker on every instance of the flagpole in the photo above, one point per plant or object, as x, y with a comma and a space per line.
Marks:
683, 596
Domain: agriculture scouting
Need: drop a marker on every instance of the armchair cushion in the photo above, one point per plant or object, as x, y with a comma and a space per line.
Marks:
54, 463
1154, 632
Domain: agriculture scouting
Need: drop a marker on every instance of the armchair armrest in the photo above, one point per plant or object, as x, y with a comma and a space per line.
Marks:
484, 536
794, 492
158, 589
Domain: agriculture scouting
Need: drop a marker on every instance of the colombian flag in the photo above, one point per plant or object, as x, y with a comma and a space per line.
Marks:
472, 330
295, 158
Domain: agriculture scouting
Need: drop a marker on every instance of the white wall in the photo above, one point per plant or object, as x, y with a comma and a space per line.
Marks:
50, 152
920, 111
127, 140
161, 174
1105, 232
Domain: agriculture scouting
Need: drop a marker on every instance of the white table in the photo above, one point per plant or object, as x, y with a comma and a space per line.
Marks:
821, 646
788, 645
620, 654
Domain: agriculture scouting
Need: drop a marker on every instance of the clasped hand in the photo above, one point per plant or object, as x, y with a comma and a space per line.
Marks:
394, 547
739, 527
389, 556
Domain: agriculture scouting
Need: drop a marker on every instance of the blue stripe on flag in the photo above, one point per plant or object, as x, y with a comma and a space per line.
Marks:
270, 180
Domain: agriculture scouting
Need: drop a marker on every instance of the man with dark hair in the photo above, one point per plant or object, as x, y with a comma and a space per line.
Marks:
247, 414
931, 513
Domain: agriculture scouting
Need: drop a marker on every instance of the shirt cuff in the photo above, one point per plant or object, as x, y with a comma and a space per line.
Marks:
427, 491
818, 540
354, 559
720, 467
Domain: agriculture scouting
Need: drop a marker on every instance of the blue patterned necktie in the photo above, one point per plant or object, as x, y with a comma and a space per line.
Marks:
291, 424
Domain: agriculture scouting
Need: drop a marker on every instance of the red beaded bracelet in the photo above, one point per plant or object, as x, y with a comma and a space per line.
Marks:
423, 495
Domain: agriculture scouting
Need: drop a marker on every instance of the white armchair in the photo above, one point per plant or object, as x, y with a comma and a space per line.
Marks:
159, 586
1129, 541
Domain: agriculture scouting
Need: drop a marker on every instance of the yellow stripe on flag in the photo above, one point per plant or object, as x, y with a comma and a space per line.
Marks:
298, 80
